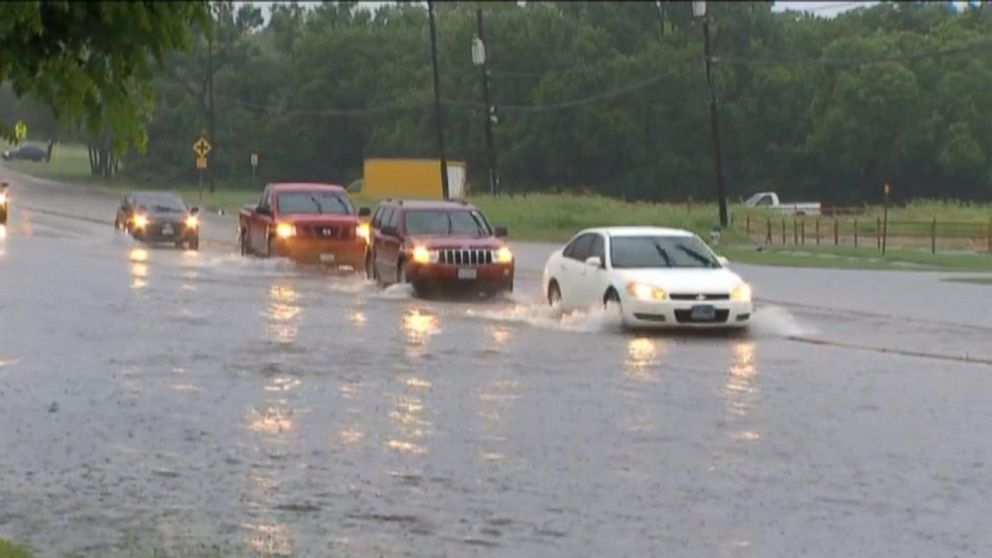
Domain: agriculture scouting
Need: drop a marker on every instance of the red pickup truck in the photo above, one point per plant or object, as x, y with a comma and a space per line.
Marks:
311, 223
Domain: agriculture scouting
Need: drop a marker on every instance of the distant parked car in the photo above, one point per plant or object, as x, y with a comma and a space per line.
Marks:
26, 153
159, 217
769, 200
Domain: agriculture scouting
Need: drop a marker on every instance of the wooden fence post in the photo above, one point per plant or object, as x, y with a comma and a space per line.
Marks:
817, 231
768, 236
855, 232
795, 230
836, 233
747, 225
878, 232
933, 236
783, 231
802, 231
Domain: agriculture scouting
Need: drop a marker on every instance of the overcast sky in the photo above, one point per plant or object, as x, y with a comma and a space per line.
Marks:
823, 9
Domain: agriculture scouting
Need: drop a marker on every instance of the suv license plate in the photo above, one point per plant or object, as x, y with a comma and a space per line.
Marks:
327, 258
467, 273
167, 229
703, 313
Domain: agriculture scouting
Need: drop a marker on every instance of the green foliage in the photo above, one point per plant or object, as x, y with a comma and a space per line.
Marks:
91, 62
10, 550
606, 98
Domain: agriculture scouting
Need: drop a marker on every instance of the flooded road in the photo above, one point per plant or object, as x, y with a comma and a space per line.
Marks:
170, 400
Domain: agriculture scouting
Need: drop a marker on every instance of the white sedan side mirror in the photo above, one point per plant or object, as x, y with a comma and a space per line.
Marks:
594, 261
722, 260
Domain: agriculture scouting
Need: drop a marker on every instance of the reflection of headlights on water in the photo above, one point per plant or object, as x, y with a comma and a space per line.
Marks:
285, 230
503, 255
362, 231
140, 221
422, 255
641, 291
192, 222
741, 293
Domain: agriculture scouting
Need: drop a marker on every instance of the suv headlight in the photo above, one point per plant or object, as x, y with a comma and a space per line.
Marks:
192, 222
422, 255
503, 255
3, 198
642, 291
140, 221
741, 293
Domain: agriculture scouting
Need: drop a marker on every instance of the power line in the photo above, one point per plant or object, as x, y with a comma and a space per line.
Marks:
974, 47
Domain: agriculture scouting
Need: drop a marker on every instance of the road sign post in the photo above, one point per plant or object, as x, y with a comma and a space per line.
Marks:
885, 218
254, 165
201, 147
20, 131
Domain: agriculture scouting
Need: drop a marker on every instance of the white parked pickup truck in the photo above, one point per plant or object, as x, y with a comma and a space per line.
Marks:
770, 200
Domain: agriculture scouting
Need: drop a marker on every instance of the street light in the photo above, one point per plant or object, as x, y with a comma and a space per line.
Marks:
699, 11
489, 111
438, 121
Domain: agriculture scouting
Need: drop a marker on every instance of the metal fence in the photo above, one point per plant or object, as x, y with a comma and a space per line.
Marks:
867, 231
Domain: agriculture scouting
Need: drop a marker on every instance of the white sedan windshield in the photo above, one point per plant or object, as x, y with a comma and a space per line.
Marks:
636, 252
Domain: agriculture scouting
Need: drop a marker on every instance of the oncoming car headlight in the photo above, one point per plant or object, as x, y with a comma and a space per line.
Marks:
422, 255
641, 291
285, 230
741, 293
503, 255
192, 222
140, 221
3, 198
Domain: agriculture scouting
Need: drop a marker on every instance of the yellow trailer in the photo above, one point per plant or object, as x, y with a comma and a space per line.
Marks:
411, 178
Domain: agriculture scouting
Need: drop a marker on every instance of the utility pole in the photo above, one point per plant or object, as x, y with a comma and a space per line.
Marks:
437, 101
480, 58
699, 10
210, 99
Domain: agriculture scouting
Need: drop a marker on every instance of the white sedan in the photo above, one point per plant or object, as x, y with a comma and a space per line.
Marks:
658, 277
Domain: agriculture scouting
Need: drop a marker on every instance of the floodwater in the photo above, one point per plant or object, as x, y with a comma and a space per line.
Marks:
157, 399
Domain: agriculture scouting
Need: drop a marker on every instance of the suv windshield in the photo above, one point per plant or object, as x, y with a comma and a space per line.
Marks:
161, 204
314, 202
632, 252
446, 223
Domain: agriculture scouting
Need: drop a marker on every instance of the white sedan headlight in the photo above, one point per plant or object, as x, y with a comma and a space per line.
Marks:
642, 291
741, 293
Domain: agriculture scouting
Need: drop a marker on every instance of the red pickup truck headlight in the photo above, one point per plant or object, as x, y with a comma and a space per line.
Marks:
285, 230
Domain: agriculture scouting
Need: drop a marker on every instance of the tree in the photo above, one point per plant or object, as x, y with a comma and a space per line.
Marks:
92, 61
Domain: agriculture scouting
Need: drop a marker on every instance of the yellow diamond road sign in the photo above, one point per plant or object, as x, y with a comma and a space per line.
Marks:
201, 147
20, 130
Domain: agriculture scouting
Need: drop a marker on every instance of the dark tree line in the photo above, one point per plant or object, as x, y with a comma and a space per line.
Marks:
603, 97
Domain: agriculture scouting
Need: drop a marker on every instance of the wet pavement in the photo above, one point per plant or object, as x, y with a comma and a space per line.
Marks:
163, 399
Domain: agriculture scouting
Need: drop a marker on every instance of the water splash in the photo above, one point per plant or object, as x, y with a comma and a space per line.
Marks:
777, 321
396, 292
594, 320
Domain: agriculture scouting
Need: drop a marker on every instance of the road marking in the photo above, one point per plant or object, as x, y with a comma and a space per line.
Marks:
864, 314
901, 352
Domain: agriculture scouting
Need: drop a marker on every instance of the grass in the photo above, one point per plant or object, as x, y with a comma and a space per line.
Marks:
849, 257
557, 217
972, 280
10, 550
70, 163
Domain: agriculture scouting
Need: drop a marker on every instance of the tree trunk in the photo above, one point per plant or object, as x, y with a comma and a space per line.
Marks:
51, 146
